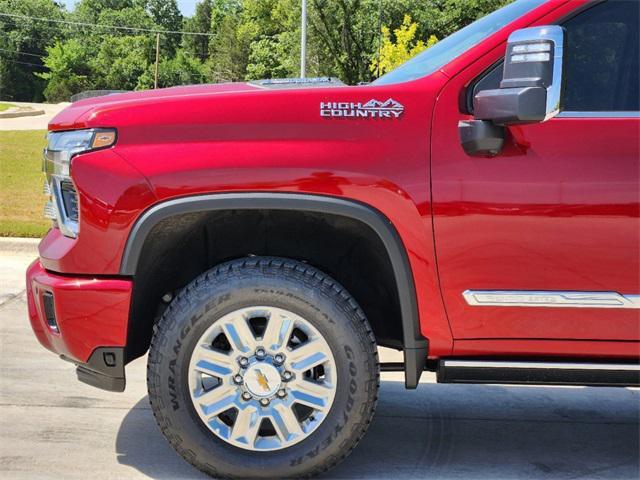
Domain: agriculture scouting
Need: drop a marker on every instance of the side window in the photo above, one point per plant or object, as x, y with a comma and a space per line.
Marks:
602, 69
489, 81
602, 61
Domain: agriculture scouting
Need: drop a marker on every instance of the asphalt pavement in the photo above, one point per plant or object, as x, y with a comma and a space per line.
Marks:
52, 426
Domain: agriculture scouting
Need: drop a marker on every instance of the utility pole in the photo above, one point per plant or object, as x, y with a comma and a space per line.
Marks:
155, 82
303, 41
379, 36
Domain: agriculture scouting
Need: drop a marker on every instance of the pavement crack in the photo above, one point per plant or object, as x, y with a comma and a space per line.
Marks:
11, 297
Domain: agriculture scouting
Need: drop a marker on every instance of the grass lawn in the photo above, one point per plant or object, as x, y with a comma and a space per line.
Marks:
21, 182
5, 106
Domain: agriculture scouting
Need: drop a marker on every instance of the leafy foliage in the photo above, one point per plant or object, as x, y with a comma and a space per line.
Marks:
68, 65
355, 40
195, 45
22, 45
182, 69
405, 46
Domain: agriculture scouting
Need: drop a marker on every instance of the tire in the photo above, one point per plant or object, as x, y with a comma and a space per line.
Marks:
324, 312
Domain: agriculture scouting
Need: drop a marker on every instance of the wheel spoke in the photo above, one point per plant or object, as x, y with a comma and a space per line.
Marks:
212, 362
307, 356
278, 331
313, 388
217, 400
285, 422
245, 429
239, 334
311, 394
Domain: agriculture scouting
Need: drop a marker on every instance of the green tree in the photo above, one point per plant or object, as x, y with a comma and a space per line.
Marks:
89, 11
270, 57
167, 16
274, 51
182, 69
228, 51
393, 54
221, 9
254, 39
23, 43
69, 72
120, 61
248, 39
443, 17
198, 45
344, 33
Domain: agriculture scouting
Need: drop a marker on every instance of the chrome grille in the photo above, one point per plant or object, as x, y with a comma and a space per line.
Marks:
69, 200
50, 211
62, 206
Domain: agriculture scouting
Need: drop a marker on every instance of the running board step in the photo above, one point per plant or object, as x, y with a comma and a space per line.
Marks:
539, 372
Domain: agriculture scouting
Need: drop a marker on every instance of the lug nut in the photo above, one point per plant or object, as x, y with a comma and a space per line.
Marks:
238, 379
243, 361
246, 396
264, 402
286, 376
282, 393
278, 359
260, 353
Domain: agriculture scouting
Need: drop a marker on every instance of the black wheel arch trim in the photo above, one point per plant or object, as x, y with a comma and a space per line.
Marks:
415, 345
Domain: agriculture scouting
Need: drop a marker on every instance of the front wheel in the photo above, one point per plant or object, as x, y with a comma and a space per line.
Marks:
263, 368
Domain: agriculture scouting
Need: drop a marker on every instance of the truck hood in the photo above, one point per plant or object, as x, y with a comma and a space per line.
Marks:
79, 113
68, 118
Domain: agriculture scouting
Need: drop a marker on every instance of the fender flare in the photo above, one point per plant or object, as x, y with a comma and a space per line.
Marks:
414, 344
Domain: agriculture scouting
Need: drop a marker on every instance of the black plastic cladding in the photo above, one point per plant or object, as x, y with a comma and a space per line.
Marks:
415, 345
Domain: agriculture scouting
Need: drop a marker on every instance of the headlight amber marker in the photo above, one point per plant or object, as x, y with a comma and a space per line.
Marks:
103, 138
63, 207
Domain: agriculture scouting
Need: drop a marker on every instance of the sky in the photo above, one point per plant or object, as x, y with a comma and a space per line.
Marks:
187, 7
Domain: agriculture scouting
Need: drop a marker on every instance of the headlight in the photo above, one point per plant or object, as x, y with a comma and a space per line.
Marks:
63, 207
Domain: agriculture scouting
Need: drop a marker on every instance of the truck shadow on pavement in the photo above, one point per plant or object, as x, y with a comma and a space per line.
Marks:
458, 431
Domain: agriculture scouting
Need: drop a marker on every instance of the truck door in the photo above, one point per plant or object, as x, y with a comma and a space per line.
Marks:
542, 241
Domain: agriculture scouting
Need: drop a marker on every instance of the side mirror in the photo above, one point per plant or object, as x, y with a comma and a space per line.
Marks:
531, 82
529, 92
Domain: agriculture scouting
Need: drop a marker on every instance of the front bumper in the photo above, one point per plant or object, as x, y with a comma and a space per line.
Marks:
84, 320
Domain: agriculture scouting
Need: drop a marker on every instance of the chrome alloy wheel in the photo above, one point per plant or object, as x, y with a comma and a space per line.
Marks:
262, 378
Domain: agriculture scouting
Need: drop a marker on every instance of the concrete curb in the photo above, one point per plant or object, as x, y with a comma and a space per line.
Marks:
17, 113
14, 245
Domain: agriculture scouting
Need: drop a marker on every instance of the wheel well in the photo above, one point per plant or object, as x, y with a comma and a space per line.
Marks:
180, 247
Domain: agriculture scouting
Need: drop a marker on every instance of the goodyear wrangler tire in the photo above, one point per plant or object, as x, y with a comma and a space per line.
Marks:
263, 368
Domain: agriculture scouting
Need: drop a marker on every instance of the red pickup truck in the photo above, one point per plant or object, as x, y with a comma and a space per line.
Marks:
477, 208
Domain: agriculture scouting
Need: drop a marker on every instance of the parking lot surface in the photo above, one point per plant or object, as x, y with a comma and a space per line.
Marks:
52, 426
38, 122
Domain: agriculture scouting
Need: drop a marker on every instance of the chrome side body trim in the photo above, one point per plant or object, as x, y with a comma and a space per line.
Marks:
542, 365
555, 299
567, 114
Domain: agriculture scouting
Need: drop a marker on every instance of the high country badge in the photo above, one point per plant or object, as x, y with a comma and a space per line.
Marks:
372, 109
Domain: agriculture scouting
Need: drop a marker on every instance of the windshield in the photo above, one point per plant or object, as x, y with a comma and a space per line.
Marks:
459, 42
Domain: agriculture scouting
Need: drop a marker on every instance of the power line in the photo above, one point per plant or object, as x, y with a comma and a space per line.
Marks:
115, 27
22, 53
24, 63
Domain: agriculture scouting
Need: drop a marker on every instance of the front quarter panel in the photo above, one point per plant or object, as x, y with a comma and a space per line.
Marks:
111, 195
277, 141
